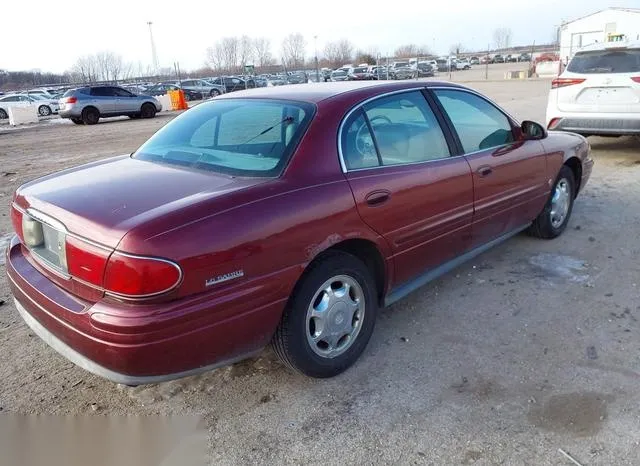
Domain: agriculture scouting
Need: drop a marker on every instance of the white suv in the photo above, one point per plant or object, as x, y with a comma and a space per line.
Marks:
599, 91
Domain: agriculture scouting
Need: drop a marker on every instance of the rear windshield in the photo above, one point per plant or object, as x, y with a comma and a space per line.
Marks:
239, 137
360, 70
606, 61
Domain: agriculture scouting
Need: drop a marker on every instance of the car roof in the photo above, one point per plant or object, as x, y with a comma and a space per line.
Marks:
317, 92
627, 44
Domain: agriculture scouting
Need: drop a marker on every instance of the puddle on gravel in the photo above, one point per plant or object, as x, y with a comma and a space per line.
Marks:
581, 414
4, 242
559, 266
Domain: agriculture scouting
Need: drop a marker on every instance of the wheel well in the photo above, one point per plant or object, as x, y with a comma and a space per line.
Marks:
369, 254
576, 167
89, 108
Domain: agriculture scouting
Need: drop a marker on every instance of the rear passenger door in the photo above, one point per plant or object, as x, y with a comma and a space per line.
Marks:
407, 186
103, 99
509, 173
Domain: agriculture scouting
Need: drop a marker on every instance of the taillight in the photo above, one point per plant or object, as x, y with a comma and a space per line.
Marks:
636, 79
85, 261
70, 100
16, 221
553, 123
136, 277
563, 82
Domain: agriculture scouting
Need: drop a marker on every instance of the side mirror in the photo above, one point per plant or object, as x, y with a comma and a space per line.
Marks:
533, 131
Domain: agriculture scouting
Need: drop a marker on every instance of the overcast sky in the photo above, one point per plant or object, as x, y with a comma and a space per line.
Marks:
55, 34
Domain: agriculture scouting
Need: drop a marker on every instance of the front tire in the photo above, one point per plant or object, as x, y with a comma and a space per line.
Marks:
214, 93
553, 219
3, 115
148, 111
329, 318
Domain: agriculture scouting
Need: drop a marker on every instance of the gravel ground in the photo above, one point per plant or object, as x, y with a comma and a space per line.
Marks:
531, 347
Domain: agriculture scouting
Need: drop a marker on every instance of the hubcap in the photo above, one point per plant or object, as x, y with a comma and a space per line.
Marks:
335, 315
560, 203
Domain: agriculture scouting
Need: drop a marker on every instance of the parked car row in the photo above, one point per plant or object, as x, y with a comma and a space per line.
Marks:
46, 104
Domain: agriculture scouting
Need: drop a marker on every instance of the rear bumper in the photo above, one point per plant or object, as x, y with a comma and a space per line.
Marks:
140, 344
598, 124
73, 112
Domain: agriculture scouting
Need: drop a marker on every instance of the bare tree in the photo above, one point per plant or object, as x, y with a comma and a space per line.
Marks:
85, 69
502, 38
338, 53
262, 51
412, 50
230, 46
215, 57
457, 48
293, 50
245, 51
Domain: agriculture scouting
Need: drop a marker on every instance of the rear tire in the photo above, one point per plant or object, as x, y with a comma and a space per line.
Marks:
90, 116
3, 115
214, 93
329, 318
77, 121
148, 111
553, 219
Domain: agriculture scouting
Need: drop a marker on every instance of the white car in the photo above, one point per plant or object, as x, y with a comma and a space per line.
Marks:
44, 107
53, 104
599, 91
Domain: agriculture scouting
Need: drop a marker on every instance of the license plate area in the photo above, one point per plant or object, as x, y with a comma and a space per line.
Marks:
45, 242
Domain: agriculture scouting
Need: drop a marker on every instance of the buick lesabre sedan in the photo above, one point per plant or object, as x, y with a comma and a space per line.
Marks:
283, 215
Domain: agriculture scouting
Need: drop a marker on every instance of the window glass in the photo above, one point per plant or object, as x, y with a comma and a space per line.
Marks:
240, 137
479, 124
101, 92
405, 129
358, 149
606, 61
119, 92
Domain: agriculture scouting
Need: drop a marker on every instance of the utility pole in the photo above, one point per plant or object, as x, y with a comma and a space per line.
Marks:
486, 64
315, 47
154, 55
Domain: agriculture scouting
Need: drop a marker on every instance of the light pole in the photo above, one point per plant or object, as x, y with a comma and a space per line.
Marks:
315, 47
154, 55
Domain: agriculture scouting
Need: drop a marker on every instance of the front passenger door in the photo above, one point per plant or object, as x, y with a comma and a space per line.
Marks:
509, 173
125, 101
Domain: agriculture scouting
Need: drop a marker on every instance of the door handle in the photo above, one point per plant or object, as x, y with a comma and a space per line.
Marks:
485, 171
377, 197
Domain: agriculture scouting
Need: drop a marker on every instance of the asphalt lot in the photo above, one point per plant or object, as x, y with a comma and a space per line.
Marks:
531, 347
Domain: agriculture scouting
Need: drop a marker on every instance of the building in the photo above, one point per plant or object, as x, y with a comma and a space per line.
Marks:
601, 26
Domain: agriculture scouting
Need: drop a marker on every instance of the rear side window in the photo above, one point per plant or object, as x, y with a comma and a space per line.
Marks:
240, 137
102, 91
394, 130
606, 61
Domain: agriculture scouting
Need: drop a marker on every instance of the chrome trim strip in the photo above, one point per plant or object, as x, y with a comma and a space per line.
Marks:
47, 220
101, 371
150, 295
56, 224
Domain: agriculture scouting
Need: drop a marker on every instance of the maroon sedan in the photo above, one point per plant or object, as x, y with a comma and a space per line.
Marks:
284, 215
